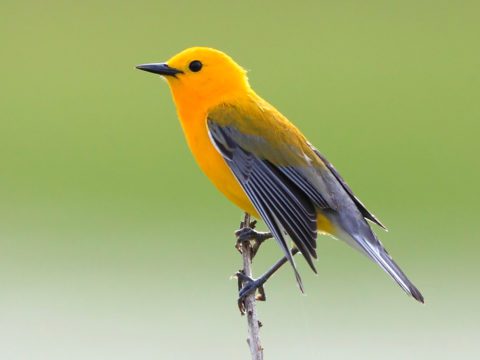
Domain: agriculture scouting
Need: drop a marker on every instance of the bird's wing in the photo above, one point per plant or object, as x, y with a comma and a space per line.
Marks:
363, 210
276, 176
280, 203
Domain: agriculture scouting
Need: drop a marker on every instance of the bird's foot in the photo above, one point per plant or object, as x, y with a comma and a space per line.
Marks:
250, 235
247, 285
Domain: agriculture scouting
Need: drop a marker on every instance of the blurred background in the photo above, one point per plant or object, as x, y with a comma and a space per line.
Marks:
113, 245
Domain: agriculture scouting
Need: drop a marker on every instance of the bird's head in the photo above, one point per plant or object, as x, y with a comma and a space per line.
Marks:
201, 75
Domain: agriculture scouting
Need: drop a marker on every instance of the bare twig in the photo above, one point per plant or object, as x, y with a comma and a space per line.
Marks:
249, 303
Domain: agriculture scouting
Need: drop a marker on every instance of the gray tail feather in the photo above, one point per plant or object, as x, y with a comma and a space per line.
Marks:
378, 254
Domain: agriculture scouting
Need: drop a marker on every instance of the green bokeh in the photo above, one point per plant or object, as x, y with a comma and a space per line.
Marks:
113, 245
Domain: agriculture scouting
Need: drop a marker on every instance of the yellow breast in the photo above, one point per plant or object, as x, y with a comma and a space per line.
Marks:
194, 124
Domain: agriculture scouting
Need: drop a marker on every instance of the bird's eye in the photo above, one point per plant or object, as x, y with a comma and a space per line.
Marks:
195, 66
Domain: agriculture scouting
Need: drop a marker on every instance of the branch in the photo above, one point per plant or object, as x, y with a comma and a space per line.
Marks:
249, 304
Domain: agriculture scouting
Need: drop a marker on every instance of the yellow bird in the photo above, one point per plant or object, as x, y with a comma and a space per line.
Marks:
261, 162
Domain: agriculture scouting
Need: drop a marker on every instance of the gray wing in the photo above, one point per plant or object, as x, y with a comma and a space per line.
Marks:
363, 210
279, 194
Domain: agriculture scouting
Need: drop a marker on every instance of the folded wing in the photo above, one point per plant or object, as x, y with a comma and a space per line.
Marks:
275, 192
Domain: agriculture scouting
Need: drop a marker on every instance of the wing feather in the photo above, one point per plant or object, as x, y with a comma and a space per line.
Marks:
278, 199
312, 192
363, 210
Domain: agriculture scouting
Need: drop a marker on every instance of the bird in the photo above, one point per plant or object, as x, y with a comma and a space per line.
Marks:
263, 164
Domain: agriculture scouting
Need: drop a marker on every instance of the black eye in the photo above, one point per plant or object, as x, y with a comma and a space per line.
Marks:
195, 66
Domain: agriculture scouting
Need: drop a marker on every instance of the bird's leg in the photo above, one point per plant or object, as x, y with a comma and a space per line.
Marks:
249, 234
246, 284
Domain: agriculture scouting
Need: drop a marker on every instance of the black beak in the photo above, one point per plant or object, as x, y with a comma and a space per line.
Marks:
160, 69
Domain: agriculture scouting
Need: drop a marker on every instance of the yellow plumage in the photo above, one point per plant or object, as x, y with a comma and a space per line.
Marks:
261, 162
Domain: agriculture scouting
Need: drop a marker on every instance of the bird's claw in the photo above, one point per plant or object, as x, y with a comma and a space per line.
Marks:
249, 234
246, 234
247, 285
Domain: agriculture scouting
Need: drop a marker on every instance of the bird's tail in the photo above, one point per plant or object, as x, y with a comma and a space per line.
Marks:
375, 251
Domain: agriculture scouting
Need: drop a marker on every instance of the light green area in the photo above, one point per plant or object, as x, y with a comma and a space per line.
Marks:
114, 246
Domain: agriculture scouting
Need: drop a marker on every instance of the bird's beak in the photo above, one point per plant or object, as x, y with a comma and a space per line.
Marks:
160, 69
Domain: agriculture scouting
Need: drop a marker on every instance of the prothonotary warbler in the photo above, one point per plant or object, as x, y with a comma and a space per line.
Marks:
261, 162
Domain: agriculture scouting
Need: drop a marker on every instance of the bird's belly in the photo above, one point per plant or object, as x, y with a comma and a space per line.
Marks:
324, 225
214, 166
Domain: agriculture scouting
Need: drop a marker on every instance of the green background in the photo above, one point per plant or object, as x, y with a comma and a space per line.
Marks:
113, 245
